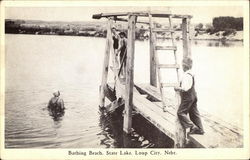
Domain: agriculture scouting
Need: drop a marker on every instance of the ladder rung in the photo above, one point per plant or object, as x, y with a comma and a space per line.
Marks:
168, 66
162, 30
165, 47
169, 84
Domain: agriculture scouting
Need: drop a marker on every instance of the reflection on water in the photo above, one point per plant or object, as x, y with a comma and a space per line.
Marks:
208, 43
218, 43
37, 65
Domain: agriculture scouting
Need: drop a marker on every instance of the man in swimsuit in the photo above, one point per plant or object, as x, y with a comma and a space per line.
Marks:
56, 104
122, 50
189, 101
116, 39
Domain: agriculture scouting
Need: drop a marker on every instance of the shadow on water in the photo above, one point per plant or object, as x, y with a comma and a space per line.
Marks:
57, 116
144, 134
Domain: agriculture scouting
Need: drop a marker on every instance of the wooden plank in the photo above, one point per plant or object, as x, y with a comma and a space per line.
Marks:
218, 134
186, 38
143, 14
125, 20
169, 115
165, 47
142, 106
127, 123
153, 91
173, 15
168, 66
155, 107
98, 16
114, 105
105, 66
147, 109
171, 110
153, 113
109, 93
153, 77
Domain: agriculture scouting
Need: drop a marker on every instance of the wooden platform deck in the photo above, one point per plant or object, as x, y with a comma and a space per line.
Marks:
147, 101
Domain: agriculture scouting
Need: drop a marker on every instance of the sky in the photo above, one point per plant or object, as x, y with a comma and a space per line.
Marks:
201, 14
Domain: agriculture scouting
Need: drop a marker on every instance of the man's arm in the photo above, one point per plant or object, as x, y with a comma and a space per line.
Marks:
49, 103
119, 46
186, 83
62, 104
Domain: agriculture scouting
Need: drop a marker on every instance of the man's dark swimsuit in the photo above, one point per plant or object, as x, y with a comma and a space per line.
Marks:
55, 108
116, 42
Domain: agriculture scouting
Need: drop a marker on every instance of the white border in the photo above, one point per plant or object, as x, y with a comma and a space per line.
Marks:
239, 153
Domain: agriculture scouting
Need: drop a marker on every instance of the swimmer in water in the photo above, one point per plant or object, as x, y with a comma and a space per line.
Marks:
56, 104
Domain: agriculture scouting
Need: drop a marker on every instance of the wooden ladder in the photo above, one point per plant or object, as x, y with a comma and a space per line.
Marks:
169, 48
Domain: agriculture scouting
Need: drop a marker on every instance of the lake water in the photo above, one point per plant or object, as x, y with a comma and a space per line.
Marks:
36, 65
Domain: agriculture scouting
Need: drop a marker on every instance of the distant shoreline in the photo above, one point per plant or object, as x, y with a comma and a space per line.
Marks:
98, 29
199, 39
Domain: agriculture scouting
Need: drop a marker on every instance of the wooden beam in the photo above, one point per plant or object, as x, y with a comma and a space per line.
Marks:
186, 38
173, 15
98, 16
105, 65
153, 78
125, 20
114, 105
143, 14
127, 123
110, 93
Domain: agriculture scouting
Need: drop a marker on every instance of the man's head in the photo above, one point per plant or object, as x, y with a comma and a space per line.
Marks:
113, 29
187, 64
56, 93
122, 34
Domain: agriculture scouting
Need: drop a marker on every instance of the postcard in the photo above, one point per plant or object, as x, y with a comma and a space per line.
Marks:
124, 80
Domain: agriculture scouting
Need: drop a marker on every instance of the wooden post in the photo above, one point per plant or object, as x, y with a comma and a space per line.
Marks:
105, 65
180, 132
186, 38
153, 78
127, 122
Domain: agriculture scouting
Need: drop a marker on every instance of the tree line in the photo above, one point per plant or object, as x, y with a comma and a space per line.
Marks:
229, 25
222, 23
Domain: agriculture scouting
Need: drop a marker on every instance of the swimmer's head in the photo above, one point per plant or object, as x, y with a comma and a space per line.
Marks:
56, 93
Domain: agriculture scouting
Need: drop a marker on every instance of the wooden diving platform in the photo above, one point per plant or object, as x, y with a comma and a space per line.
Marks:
147, 102
146, 99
